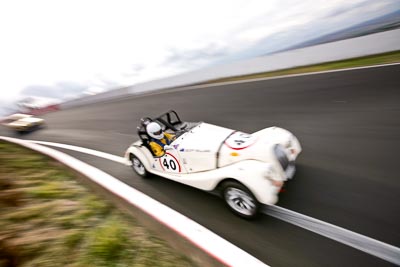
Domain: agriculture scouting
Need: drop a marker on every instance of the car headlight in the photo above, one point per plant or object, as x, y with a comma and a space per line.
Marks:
289, 142
290, 145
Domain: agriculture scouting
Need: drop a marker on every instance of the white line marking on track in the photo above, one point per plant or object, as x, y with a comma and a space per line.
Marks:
83, 150
192, 87
222, 250
366, 244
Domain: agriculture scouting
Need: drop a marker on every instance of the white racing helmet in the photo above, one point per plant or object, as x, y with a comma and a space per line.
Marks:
154, 130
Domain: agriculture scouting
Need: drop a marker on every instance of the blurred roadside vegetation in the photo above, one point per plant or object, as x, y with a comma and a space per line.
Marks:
48, 219
386, 58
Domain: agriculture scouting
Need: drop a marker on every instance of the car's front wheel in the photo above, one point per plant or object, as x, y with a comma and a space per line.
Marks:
240, 200
138, 166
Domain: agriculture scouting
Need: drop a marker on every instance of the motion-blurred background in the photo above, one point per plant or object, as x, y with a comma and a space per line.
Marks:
57, 51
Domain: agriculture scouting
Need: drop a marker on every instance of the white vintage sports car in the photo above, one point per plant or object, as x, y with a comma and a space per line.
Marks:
246, 169
22, 123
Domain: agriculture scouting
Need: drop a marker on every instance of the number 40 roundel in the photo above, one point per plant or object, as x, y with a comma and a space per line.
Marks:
169, 163
239, 140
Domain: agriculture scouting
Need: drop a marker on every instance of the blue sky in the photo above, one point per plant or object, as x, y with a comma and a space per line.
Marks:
61, 49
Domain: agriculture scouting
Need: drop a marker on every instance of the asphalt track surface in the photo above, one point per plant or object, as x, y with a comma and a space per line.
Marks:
347, 122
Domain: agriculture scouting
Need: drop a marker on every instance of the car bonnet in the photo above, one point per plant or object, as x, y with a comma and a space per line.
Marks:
202, 138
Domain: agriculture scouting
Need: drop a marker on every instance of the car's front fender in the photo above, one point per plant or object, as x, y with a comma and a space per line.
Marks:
257, 176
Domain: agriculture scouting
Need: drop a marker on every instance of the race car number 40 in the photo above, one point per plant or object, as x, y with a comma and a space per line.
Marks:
169, 163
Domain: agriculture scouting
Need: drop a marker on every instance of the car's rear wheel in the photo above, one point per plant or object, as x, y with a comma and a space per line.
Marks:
240, 200
138, 166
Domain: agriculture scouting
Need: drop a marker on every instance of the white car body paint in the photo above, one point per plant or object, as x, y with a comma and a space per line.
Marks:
205, 156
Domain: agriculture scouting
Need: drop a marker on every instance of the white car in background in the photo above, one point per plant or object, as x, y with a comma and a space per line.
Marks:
246, 169
22, 122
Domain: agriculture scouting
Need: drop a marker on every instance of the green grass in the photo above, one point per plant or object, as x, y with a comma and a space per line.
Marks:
48, 219
392, 57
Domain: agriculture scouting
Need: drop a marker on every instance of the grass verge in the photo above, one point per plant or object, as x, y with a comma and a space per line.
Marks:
386, 58
48, 219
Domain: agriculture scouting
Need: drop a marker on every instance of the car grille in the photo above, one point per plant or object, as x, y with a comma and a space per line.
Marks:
281, 156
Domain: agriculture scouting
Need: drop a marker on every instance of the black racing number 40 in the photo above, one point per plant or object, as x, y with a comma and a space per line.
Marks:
169, 164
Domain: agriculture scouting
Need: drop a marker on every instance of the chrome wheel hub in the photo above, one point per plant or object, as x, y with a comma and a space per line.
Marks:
240, 201
138, 166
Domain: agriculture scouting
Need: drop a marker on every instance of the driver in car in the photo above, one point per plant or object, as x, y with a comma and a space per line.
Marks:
159, 138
